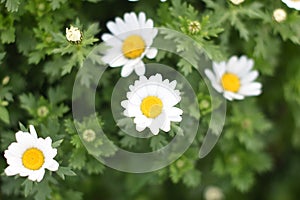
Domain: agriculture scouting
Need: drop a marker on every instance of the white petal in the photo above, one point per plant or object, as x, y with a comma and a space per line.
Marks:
127, 70
112, 41
157, 123
227, 96
251, 92
106, 36
114, 57
249, 77
250, 87
121, 25
246, 67
32, 131
151, 53
24, 137
52, 165
166, 126
132, 110
37, 175
230, 95
124, 103
113, 28
168, 96
142, 120
210, 76
140, 128
233, 65
140, 68
14, 150
174, 112
40, 175
134, 98
149, 24
219, 69
131, 20
156, 78
142, 19
11, 171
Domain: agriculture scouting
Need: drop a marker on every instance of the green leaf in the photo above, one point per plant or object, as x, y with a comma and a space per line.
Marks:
8, 35
22, 127
57, 143
192, 178
128, 141
74, 195
65, 171
157, 142
28, 185
244, 181
55, 4
11, 5
78, 159
56, 95
4, 115
2, 55
43, 191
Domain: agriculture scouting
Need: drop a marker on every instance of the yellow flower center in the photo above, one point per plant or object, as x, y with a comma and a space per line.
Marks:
231, 82
133, 46
151, 106
33, 159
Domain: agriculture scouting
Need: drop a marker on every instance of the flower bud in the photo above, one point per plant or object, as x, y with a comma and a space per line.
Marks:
237, 2
73, 35
279, 15
89, 135
194, 27
5, 80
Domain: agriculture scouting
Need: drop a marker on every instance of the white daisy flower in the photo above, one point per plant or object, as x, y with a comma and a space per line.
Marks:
292, 3
151, 102
30, 156
130, 41
234, 78
73, 34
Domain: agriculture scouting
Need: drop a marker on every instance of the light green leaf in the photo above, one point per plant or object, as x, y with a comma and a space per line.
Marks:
4, 115
11, 5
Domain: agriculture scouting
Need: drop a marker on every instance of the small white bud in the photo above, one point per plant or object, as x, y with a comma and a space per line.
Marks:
89, 135
42, 111
279, 15
73, 34
213, 193
237, 2
5, 80
194, 27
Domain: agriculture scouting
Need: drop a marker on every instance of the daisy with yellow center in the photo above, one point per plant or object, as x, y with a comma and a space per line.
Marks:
292, 3
234, 78
151, 102
130, 41
30, 156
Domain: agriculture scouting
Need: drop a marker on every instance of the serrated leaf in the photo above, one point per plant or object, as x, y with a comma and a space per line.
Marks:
192, 178
28, 185
12, 5
43, 191
8, 35
158, 142
65, 171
